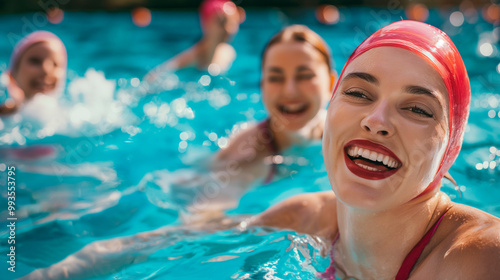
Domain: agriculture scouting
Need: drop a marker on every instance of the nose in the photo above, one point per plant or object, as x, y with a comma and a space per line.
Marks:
47, 66
377, 121
290, 87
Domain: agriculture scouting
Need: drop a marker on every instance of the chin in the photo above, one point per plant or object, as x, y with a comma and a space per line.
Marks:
358, 196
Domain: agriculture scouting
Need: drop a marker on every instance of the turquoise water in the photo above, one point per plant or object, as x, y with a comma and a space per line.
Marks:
90, 187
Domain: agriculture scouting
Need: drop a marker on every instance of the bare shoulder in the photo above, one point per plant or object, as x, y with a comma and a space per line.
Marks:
473, 250
243, 145
311, 213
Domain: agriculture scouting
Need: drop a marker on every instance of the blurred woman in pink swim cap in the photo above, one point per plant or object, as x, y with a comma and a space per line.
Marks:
37, 66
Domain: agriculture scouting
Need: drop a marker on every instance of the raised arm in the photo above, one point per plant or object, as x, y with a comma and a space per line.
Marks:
181, 60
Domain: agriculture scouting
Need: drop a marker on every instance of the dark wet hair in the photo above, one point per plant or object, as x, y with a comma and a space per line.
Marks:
300, 33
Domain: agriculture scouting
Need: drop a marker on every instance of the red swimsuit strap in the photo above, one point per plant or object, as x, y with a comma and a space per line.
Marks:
408, 263
412, 257
329, 273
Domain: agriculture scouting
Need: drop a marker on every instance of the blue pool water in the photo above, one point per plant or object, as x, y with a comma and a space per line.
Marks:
92, 187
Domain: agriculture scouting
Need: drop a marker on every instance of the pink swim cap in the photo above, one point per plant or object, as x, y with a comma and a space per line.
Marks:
210, 8
438, 50
28, 41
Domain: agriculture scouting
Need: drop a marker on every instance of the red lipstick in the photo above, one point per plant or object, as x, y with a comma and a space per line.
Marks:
363, 172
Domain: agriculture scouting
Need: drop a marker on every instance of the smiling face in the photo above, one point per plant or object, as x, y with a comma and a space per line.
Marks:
386, 129
295, 83
39, 69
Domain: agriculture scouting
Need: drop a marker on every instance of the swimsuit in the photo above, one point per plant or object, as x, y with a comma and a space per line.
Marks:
408, 263
272, 146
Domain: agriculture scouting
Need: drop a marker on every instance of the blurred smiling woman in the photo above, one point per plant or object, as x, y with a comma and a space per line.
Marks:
37, 65
294, 92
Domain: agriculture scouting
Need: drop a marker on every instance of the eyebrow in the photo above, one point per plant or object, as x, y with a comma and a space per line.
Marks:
275, 69
364, 76
422, 91
303, 68
409, 89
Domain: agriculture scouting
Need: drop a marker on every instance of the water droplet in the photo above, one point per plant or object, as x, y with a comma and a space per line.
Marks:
457, 18
214, 69
493, 164
183, 145
212, 136
205, 80
486, 49
135, 82
222, 143
184, 136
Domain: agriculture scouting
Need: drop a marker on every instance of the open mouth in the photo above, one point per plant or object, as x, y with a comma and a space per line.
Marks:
42, 86
293, 109
370, 160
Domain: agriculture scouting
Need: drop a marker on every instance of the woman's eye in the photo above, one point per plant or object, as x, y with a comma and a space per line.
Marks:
35, 61
274, 79
356, 94
305, 76
417, 110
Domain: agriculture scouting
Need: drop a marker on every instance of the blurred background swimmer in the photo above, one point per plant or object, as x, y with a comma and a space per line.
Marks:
220, 20
37, 65
295, 93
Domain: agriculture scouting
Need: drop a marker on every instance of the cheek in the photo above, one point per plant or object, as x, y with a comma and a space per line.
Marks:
333, 129
342, 114
268, 100
58, 73
29, 71
426, 148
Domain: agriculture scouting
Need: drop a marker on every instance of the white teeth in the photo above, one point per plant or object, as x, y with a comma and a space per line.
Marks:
366, 154
386, 160
373, 156
351, 152
367, 167
380, 157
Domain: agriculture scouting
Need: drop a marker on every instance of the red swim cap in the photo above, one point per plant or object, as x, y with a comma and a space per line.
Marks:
438, 50
215, 7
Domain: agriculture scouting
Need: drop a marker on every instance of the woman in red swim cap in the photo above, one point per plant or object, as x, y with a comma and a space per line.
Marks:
394, 127
220, 20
